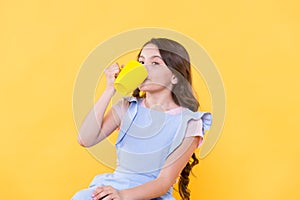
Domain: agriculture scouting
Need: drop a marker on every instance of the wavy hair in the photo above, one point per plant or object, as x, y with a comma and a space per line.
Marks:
177, 60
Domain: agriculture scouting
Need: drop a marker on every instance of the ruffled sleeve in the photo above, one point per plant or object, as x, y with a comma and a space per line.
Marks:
197, 125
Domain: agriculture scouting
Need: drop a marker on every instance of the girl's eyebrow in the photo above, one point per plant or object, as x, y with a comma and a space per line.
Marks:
155, 56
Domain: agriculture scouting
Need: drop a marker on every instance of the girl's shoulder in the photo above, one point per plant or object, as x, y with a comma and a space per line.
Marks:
198, 123
122, 105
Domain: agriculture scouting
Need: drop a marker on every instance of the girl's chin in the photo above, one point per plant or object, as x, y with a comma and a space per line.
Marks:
144, 87
152, 88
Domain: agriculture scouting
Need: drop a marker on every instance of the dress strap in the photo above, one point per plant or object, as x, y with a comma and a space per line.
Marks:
128, 118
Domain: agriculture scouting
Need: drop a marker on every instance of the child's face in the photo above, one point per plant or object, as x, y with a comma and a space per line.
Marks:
159, 75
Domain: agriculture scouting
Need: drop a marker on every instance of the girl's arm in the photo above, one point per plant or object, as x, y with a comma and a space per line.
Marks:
95, 127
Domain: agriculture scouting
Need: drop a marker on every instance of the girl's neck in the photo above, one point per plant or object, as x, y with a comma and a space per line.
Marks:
160, 101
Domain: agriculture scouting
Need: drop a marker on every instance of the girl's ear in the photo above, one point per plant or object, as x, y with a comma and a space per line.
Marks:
174, 80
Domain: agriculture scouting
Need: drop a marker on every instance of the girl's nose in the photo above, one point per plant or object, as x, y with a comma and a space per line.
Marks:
147, 67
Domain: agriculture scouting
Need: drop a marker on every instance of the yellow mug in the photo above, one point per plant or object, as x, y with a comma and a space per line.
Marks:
130, 77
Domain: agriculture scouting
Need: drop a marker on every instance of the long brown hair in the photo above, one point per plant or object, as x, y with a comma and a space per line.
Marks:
177, 59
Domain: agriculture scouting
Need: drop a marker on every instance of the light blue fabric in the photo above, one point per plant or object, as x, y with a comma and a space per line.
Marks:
145, 140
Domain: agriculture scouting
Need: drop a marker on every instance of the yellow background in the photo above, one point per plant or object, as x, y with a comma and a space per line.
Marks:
255, 45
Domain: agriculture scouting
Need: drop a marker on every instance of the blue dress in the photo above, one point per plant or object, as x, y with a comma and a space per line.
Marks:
146, 138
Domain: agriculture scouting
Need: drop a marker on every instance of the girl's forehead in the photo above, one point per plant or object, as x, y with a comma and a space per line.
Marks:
150, 49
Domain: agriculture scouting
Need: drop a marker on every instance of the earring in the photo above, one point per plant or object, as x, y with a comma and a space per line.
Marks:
142, 93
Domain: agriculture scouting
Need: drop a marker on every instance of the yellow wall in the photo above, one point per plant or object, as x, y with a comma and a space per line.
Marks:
255, 45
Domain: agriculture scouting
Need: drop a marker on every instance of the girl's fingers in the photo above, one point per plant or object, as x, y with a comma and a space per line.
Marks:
108, 197
105, 193
113, 68
111, 73
97, 191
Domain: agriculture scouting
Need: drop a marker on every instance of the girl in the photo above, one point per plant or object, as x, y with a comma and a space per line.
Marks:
159, 129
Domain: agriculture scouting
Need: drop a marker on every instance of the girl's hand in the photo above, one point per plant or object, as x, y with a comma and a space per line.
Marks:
106, 193
111, 74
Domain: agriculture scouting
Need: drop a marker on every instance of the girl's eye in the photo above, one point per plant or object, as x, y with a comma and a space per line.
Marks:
155, 63
142, 62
